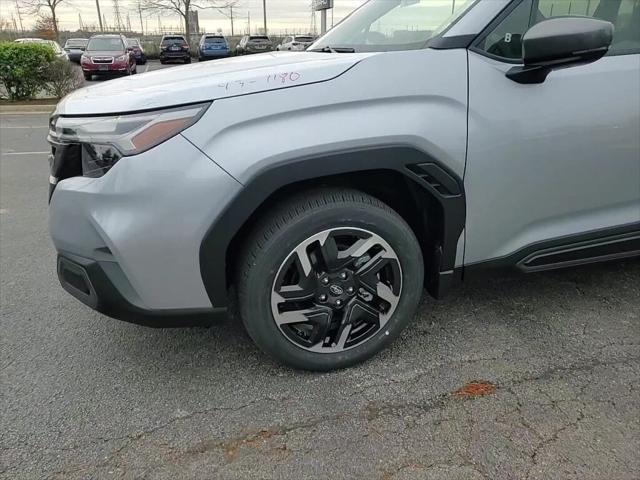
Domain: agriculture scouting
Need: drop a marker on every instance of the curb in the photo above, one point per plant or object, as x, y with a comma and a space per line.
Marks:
17, 109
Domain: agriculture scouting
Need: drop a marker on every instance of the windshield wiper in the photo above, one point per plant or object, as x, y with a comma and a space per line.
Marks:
329, 49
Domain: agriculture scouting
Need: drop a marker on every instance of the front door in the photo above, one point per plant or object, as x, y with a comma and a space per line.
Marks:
555, 160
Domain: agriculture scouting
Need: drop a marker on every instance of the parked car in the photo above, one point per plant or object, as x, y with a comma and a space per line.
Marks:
174, 47
437, 154
254, 44
213, 46
297, 43
60, 53
138, 51
75, 47
108, 55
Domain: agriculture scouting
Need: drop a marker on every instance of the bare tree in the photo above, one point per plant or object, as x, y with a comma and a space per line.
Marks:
45, 8
182, 8
45, 28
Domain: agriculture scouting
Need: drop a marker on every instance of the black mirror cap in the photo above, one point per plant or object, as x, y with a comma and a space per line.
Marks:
566, 39
561, 42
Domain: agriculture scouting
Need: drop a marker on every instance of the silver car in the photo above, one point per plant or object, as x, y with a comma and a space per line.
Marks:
428, 148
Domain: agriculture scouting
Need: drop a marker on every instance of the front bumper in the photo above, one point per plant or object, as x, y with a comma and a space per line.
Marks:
143, 223
74, 56
88, 281
104, 68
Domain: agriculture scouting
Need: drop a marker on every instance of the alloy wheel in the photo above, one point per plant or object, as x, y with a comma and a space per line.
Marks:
336, 290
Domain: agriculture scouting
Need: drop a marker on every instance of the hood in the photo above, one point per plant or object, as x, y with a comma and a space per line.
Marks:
207, 81
104, 53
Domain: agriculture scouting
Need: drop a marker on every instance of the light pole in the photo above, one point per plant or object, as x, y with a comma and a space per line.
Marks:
99, 16
264, 12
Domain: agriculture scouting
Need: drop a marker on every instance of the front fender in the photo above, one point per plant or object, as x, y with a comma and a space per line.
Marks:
389, 111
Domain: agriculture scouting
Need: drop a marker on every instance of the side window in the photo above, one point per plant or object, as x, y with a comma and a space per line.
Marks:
505, 41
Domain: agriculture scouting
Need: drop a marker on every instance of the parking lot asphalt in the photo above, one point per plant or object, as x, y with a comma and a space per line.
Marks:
556, 355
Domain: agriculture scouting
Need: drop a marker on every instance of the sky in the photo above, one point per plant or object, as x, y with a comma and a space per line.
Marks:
282, 15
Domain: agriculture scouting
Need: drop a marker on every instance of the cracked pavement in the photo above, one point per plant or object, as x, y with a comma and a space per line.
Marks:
84, 396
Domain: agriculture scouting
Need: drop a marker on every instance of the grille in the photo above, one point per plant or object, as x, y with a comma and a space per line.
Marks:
102, 59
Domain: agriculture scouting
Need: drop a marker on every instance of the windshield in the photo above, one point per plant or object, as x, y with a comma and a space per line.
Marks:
385, 25
303, 39
108, 44
255, 38
54, 45
76, 43
133, 42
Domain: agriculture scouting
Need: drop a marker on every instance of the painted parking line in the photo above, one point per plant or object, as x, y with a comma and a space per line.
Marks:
25, 153
43, 112
18, 127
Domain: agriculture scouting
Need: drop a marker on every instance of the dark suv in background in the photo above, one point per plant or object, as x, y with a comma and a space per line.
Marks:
174, 47
138, 52
254, 44
107, 55
75, 47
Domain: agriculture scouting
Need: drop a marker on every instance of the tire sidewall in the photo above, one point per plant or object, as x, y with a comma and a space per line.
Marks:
257, 315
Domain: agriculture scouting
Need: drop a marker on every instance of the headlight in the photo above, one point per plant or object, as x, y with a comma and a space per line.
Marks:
104, 140
122, 58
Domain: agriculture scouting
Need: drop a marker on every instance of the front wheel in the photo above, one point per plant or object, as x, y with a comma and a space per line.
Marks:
188, 60
329, 279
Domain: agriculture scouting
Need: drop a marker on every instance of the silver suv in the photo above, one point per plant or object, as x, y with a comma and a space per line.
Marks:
428, 148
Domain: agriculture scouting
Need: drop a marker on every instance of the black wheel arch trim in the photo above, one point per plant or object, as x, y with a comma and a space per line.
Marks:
444, 185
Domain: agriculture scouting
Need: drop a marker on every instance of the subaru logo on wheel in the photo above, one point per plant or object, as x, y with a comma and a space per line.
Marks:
336, 290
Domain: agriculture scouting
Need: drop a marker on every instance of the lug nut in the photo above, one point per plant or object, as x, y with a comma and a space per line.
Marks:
325, 281
343, 276
338, 303
350, 290
322, 298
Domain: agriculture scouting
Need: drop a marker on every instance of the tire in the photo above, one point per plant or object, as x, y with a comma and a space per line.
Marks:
188, 60
162, 62
88, 77
270, 254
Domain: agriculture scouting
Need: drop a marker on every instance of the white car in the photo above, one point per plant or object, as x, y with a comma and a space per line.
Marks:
60, 53
296, 43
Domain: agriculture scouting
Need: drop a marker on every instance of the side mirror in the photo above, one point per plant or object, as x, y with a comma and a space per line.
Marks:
129, 49
561, 42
